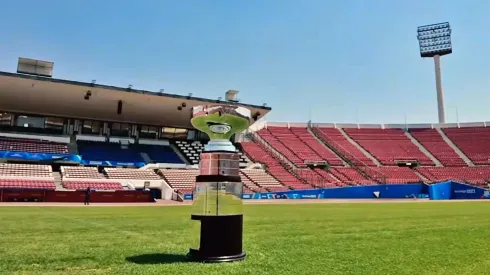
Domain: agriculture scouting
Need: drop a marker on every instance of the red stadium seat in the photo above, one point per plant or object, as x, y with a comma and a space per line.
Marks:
435, 144
388, 145
474, 142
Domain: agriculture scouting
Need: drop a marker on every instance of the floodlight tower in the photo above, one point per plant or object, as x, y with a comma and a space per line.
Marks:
435, 41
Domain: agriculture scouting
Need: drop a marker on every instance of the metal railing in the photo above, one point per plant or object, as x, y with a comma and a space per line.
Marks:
286, 163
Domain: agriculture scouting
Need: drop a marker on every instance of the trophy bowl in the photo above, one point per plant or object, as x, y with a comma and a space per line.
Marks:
220, 122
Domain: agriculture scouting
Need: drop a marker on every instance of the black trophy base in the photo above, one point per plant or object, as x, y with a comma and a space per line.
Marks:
220, 240
196, 256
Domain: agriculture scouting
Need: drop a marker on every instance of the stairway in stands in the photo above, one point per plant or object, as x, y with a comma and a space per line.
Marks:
57, 180
359, 147
458, 151
339, 144
423, 149
277, 165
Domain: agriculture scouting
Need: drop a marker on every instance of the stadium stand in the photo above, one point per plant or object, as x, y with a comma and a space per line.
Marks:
350, 176
28, 176
180, 179
388, 145
105, 151
184, 180
274, 167
250, 186
192, 151
81, 185
27, 184
285, 150
435, 144
339, 141
290, 156
159, 153
79, 177
25, 170
128, 173
81, 172
32, 146
329, 179
399, 174
479, 175
304, 136
474, 142
262, 180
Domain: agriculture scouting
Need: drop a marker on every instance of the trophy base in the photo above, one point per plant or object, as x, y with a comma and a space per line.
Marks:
196, 256
220, 240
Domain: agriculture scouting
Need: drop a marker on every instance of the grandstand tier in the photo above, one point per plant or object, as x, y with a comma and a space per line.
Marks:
334, 138
316, 146
182, 180
388, 145
82, 185
435, 144
32, 146
81, 172
192, 151
274, 167
290, 156
479, 175
474, 142
128, 173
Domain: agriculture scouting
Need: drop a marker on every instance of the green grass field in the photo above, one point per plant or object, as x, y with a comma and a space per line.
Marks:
398, 238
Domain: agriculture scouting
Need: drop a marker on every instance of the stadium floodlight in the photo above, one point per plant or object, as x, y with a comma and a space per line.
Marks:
35, 67
435, 41
232, 95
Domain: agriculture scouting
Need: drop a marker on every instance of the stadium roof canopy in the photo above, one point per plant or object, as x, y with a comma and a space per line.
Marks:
29, 94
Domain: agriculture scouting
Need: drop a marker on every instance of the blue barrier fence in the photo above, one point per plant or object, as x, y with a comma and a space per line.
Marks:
388, 191
440, 191
451, 190
63, 157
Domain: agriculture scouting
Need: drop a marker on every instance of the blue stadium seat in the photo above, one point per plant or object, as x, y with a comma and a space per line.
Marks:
160, 154
104, 151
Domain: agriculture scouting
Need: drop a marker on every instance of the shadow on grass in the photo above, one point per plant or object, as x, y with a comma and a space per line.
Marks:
158, 258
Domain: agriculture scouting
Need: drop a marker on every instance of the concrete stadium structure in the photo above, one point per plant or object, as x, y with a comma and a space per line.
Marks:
58, 135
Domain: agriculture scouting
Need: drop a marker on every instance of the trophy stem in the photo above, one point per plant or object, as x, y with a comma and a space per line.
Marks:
219, 145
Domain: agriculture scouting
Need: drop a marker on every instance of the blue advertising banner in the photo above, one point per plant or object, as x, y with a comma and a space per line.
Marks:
383, 191
439, 191
112, 163
451, 190
461, 191
39, 156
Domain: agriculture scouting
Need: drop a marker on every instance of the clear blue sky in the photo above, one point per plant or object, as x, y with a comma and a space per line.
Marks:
330, 57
